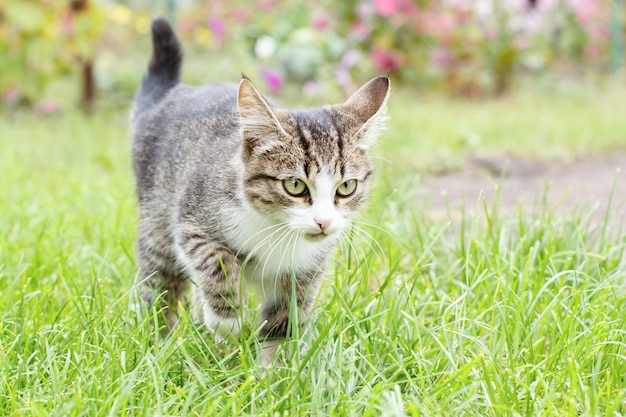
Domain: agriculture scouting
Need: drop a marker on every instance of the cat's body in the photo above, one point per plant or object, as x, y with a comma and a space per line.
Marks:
231, 187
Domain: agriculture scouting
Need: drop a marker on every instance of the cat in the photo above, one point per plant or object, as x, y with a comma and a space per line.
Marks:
234, 190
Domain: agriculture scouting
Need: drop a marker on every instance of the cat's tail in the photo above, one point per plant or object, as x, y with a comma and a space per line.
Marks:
164, 69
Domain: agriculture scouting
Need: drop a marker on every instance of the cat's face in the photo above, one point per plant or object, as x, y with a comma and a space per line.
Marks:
310, 169
315, 189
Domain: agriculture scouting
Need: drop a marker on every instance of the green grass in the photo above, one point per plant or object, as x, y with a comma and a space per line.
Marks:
517, 315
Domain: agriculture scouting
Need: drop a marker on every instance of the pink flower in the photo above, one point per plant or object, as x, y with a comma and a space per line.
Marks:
584, 11
592, 51
11, 95
48, 106
350, 58
67, 24
440, 57
491, 33
217, 28
442, 25
386, 8
598, 32
320, 21
365, 10
267, 5
360, 31
273, 79
240, 16
343, 76
186, 25
311, 88
386, 61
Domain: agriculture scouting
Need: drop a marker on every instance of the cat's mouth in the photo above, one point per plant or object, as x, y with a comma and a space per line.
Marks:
315, 237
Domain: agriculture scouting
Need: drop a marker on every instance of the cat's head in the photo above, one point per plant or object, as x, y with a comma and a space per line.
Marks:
310, 169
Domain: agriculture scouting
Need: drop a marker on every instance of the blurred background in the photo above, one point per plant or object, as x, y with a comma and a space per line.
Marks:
57, 54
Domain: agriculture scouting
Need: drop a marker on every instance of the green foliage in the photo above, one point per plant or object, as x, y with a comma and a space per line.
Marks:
468, 48
41, 41
320, 47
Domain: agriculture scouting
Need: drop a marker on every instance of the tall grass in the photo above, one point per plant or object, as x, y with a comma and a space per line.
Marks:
489, 315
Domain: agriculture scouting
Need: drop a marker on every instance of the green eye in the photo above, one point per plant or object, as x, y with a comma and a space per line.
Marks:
347, 188
295, 187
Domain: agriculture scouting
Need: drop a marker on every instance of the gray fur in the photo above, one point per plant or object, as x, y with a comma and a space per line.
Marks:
210, 163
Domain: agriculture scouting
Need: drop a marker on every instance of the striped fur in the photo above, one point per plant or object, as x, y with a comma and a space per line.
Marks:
215, 215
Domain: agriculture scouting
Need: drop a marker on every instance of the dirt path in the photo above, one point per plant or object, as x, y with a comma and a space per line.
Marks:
583, 184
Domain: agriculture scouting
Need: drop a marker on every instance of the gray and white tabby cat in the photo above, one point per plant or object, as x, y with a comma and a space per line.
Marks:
233, 190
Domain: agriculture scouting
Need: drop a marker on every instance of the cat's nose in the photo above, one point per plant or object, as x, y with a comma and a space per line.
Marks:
323, 223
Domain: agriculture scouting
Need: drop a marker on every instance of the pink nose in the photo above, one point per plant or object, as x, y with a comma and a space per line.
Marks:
323, 223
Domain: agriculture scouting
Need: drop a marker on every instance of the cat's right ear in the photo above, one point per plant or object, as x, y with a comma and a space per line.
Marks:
260, 129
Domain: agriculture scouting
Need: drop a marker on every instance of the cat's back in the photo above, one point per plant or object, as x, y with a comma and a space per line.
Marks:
186, 107
190, 127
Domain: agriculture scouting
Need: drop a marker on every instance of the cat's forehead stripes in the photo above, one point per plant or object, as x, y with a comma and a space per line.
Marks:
319, 135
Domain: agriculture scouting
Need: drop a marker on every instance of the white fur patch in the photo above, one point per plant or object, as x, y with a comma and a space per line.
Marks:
281, 245
323, 209
222, 327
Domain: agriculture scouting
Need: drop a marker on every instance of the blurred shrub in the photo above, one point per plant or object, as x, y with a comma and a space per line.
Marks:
475, 47
294, 42
311, 47
43, 40
466, 47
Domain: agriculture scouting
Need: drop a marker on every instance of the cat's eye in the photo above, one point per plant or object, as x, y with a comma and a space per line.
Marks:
346, 189
295, 187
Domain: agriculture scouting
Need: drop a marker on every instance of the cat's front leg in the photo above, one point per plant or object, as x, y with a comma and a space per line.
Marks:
276, 315
215, 276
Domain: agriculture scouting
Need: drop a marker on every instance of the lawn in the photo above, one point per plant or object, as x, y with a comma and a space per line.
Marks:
516, 315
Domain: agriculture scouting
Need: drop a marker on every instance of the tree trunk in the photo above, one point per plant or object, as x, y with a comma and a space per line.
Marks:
88, 87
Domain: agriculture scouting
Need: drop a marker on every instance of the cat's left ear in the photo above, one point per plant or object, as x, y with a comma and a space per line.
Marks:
260, 128
368, 108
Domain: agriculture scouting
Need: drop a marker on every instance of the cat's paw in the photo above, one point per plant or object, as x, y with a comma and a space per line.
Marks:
222, 327
270, 354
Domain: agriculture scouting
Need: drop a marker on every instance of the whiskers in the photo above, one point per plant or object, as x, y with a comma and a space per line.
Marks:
273, 229
272, 253
270, 243
362, 246
289, 237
